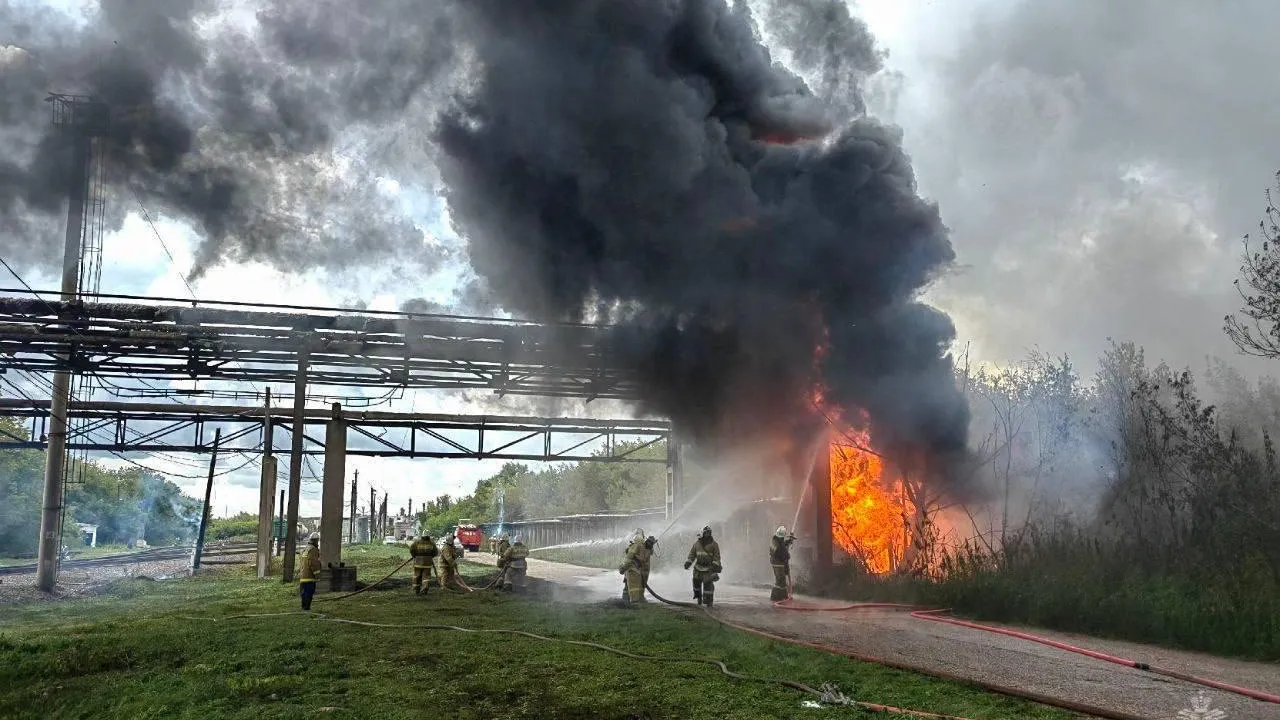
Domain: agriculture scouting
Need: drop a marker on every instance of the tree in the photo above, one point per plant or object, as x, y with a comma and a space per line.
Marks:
1256, 329
21, 494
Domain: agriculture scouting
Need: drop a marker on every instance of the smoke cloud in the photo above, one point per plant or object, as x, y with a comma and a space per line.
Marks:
267, 132
748, 235
614, 161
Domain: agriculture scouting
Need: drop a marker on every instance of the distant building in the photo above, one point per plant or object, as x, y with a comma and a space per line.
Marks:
89, 533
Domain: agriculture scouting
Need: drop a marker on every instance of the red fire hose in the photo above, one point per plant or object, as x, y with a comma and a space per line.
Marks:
934, 616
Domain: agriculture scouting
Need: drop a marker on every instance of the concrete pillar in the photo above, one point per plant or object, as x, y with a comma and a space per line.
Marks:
295, 463
266, 513
334, 490
820, 490
266, 492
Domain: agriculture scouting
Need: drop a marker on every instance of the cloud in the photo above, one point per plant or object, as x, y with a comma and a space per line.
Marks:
1097, 163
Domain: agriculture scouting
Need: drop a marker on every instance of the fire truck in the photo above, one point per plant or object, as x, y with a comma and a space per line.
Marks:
469, 535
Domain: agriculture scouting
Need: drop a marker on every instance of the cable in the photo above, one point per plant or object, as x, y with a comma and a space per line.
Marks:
172, 262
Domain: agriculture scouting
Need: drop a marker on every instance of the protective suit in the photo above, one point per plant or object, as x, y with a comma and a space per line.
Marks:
704, 557
309, 572
503, 544
513, 565
424, 554
448, 563
635, 568
780, 559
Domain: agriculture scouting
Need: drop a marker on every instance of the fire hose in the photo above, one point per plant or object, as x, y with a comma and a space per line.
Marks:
934, 615
825, 694
942, 675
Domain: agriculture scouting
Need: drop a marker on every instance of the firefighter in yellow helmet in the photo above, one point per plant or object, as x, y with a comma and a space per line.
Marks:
780, 559
503, 544
424, 554
514, 566
448, 562
704, 557
309, 572
635, 568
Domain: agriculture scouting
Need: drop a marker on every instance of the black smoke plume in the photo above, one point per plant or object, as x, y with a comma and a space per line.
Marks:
641, 162
267, 136
619, 161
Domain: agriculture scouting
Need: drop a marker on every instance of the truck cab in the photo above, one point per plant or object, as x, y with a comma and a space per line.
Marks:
469, 535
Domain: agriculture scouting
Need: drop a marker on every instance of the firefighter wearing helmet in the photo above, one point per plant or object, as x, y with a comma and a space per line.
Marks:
635, 567
704, 558
309, 572
424, 554
448, 562
514, 565
780, 559
503, 544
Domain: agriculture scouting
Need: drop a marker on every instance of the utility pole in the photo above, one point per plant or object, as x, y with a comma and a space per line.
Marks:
295, 465
374, 535
83, 118
351, 528
280, 540
208, 492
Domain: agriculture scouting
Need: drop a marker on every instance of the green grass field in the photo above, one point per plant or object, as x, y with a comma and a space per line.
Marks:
133, 653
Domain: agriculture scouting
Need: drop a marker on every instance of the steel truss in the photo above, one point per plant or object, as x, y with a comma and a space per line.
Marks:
343, 349
145, 427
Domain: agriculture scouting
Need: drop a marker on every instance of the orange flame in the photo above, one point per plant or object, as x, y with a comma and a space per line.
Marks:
868, 517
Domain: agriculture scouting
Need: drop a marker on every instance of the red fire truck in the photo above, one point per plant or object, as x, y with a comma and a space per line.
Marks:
469, 535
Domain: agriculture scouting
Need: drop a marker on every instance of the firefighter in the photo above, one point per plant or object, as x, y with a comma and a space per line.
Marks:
310, 569
503, 544
513, 565
780, 559
424, 554
704, 557
635, 568
448, 562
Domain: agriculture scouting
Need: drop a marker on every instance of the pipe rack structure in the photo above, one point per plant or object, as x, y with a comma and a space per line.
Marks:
167, 427
342, 348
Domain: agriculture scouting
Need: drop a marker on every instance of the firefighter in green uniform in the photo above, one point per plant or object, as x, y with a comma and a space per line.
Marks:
513, 565
635, 568
309, 571
424, 554
704, 557
448, 562
780, 559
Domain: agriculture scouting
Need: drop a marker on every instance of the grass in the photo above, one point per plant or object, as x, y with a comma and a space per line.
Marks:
131, 653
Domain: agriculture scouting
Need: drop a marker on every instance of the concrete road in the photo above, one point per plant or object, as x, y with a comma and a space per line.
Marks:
974, 654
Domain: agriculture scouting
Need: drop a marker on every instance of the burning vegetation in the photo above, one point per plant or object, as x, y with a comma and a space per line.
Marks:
869, 519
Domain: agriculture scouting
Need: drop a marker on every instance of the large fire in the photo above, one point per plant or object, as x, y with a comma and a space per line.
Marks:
868, 515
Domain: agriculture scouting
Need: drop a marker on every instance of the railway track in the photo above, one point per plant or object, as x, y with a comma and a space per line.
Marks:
151, 555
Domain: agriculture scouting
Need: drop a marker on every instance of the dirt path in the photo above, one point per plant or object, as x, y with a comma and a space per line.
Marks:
975, 654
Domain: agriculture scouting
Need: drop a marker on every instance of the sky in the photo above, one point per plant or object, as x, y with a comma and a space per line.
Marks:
1096, 162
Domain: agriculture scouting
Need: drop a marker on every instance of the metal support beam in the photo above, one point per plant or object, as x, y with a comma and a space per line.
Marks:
160, 427
331, 496
266, 492
295, 468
